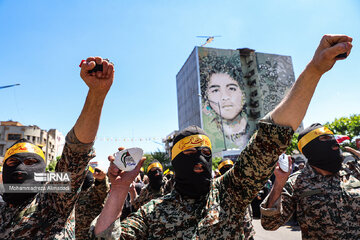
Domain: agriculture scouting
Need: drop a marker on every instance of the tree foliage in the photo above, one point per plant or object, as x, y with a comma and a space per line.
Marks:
215, 162
51, 166
293, 144
162, 157
349, 126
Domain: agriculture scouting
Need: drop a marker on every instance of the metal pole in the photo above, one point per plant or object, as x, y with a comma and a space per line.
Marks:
222, 126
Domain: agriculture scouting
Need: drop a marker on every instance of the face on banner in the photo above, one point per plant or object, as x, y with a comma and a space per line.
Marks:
225, 92
224, 113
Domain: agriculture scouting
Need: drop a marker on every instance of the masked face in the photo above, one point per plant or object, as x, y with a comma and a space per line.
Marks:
20, 169
324, 152
169, 176
225, 168
155, 178
193, 171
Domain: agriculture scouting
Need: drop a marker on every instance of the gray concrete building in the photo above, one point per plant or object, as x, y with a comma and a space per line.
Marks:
225, 92
51, 142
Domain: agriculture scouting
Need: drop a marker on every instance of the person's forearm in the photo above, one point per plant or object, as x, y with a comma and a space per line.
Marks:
133, 196
88, 122
274, 195
112, 209
291, 111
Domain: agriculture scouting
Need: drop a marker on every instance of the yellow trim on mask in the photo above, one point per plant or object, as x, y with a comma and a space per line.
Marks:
227, 162
153, 165
167, 172
190, 142
24, 147
312, 135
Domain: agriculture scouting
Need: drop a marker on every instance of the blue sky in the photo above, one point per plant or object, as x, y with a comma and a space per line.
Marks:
43, 42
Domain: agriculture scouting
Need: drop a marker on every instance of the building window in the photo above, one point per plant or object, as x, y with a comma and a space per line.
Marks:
28, 138
34, 139
14, 137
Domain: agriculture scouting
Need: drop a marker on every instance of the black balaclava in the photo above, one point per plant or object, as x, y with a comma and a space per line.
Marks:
156, 176
11, 173
188, 182
169, 175
225, 165
88, 181
320, 153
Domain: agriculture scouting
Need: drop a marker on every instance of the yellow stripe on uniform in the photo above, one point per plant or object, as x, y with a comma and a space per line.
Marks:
190, 142
24, 147
91, 169
227, 162
312, 135
153, 165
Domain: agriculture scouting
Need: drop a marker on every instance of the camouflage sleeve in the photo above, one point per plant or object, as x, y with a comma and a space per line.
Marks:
94, 201
281, 212
133, 227
353, 168
74, 160
112, 232
99, 193
141, 199
249, 230
256, 163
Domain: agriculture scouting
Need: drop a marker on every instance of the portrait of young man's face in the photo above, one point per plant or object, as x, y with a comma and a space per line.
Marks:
225, 91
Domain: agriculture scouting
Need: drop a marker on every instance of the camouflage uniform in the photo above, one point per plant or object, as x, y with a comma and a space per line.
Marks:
89, 205
148, 193
48, 215
249, 231
219, 214
327, 207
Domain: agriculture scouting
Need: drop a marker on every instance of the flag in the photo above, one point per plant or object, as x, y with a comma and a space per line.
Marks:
341, 138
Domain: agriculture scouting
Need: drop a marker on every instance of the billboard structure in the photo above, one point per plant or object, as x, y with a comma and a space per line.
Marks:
226, 92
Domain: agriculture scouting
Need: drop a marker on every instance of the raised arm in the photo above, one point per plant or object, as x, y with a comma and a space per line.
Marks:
79, 141
258, 159
99, 84
120, 184
292, 109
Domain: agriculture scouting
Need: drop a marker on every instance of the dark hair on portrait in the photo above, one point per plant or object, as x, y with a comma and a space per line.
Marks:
231, 65
211, 64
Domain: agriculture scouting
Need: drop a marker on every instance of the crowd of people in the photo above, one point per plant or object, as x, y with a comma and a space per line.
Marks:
192, 201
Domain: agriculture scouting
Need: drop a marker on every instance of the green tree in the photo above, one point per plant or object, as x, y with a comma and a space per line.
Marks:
293, 144
349, 126
215, 162
162, 157
52, 165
